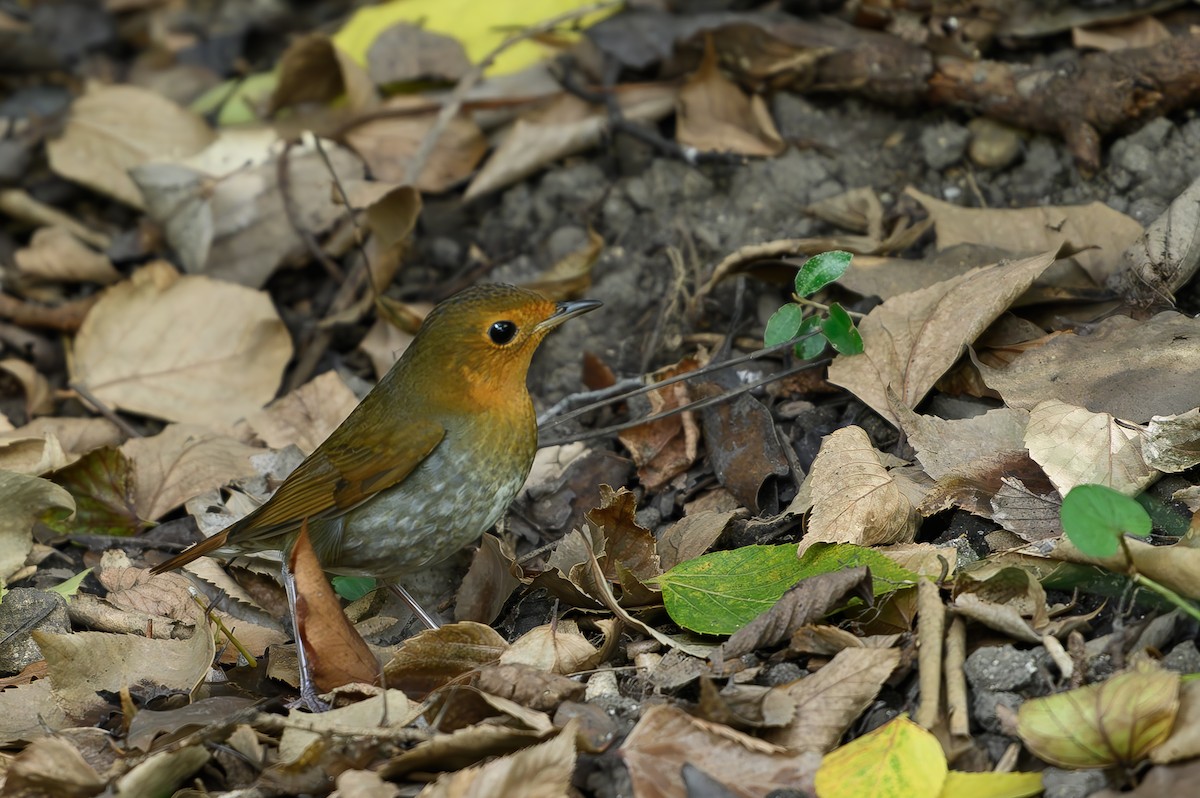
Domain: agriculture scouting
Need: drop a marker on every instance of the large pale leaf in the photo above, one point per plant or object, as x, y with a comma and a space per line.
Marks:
182, 348
912, 339
1077, 447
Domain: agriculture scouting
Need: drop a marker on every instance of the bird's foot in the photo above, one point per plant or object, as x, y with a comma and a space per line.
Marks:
309, 700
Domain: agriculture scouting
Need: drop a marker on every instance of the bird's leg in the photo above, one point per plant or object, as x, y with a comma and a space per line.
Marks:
308, 690
425, 618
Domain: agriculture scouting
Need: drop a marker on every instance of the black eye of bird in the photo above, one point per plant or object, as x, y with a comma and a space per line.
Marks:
502, 332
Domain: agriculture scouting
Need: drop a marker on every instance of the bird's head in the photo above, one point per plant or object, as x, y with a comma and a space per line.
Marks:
481, 340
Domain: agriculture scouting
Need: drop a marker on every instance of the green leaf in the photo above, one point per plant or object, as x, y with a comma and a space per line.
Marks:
352, 588
821, 270
840, 330
71, 586
783, 325
813, 345
102, 482
721, 592
1096, 516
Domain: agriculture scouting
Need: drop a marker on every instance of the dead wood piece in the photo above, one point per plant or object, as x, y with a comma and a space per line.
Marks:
66, 317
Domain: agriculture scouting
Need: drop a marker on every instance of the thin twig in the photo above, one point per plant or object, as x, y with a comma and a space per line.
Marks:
703, 403
455, 101
66, 317
103, 409
359, 236
283, 178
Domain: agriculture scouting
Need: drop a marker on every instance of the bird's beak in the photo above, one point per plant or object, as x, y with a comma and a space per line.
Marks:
567, 310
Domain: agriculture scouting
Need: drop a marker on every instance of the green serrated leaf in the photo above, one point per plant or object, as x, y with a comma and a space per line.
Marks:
352, 588
821, 270
813, 345
721, 592
70, 587
840, 330
784, 324
1096, 516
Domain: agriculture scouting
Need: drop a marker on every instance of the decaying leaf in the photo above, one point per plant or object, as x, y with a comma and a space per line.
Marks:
432, 658
1078, 447
715, 115
26, 500
1172, 443
665, 448
55, 255
1116, 722
539, 771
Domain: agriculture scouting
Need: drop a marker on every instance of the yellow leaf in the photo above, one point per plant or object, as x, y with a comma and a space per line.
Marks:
479, 27
897, 760
991, 785
1116, 722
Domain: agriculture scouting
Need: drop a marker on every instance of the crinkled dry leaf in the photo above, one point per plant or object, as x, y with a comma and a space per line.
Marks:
1077, 447
529, 686
489, 582
302, 729
715, 115
75, 436
539, 771
1130, 369
1117, 722
625, 541
1166, 256
55, 255
1027, 514
692, 535
830, 700
112, 129
306, 416
854, 498
137, 589
665, 448
666, 738
27, 500
182, 348
1098, 233
911, 340
52, 766
810, 600
743, 445
459, 749
745, 706
38, 400
1172, 443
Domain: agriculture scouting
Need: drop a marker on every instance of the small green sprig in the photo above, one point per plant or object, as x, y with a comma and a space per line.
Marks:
836, 327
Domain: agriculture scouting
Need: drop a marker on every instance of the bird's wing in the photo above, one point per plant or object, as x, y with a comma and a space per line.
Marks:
337, 478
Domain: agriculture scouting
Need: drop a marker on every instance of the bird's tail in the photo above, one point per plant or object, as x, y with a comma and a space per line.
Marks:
199, 550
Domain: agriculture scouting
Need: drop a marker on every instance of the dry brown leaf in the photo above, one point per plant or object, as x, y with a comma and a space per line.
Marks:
405, 53
112, 129
180, 462
29, 712
83, 663
313, 70
911, 340
132, 588
1026, 513
75, 436
384, 343
1144, 31
665, 448
556, 647
489, 582
831, 699
666, 739
858, 209
52, 766
715, 115
302, 729
55, 255
1098, 233
1130, 369
1169, 443
1165, 257
388, 144
34, 456
459, 749
306, 416
539, 771
745, 706
182, 348
529, 686
337, 653
1077, 447
38, 399
692, 535
435, 657
567, 126
855, 499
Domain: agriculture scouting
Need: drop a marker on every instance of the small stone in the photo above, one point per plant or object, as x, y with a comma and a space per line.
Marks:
783, 673
943, 145
993, 145
1184, 658
983, 708
1000, 668
26, 610
1059, 783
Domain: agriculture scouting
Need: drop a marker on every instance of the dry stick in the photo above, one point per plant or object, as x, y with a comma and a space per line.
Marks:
284, 179
931, 626
66, 317
957, 708
455, 101
703, 403
103, 409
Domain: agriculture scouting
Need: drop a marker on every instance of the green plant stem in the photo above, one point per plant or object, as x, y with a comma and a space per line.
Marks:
1169, 594
812, 303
